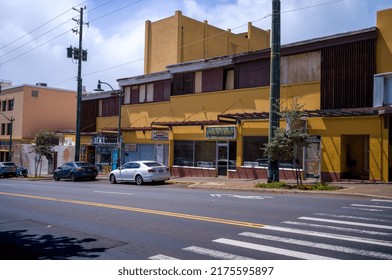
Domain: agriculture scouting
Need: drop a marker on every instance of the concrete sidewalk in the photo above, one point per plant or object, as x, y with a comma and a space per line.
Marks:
359, 188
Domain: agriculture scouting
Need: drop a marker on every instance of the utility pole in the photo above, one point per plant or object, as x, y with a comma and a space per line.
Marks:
274, 118
80, 55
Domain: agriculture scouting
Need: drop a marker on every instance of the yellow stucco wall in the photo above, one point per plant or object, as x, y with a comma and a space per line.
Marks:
333, 132
207, 106
384, 41
179, 39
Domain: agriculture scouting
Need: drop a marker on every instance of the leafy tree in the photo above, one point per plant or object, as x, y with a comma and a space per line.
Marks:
289, 141
43, 144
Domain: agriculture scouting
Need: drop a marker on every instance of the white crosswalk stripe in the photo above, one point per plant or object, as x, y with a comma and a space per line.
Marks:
345, 222
331, 236
344, 229
372, 206
273, 250
215, 254
318, 245
161, 258
352, 217
323, 226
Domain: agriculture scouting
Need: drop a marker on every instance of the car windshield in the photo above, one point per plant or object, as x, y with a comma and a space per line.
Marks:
84, 164
152, 164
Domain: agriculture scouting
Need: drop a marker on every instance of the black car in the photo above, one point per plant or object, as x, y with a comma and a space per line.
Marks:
75, 171
7, 169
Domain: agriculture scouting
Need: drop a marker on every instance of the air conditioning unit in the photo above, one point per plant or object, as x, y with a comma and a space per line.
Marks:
68, 142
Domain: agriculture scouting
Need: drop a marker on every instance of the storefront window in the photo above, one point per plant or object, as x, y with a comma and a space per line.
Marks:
253, 151
183, 153
205, 153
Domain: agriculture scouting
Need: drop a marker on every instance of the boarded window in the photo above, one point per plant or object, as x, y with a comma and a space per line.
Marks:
212, 80
150, 93
183, 83
110, 107
127, 95
300, 68
253, 74
135, 94
142, 93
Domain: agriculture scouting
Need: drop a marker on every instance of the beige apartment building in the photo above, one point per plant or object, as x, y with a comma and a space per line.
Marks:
27, 109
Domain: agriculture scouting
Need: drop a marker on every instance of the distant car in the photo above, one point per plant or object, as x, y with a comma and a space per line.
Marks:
140, 172
7, 169
21, 171
75, 171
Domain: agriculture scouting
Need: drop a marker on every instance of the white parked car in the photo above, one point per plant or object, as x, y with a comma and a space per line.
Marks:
140, 172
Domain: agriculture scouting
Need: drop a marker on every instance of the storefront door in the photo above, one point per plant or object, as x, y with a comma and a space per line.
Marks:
222, 158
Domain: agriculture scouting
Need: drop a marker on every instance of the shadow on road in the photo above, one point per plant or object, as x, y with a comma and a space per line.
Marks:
19, 245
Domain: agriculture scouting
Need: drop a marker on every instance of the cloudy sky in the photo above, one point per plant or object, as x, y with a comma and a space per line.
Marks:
35, 33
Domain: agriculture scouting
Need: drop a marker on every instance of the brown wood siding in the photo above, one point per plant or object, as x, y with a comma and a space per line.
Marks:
347, 75
110, 107
212, 80
89, 114
252, 74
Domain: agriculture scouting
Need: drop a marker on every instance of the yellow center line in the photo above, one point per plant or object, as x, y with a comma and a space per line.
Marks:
140, 210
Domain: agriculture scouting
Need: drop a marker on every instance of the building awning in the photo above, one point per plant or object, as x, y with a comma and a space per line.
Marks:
187, 123
239, 117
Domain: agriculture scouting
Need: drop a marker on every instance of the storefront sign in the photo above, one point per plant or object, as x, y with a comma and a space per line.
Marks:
99, 140
221, 132
160, 135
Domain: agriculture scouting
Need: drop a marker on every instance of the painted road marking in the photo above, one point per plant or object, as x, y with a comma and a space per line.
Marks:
363, 209
273, 250
359, 231
324, 246
345, 222
161, 258
215, 254
330, 235
372, 206
381, 200
352, 217
241, 196
114, 193
140, 210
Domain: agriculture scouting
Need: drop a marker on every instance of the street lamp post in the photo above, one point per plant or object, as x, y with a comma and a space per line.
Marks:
11, 120
119, 138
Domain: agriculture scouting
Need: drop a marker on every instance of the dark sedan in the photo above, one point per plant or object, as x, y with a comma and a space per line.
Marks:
75, 171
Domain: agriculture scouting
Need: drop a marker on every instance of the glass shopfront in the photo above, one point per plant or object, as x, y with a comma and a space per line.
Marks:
220, 155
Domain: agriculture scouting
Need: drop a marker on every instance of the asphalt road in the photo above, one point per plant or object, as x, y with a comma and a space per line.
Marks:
97, 220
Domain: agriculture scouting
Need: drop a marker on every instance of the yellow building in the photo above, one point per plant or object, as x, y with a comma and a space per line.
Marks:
208, 116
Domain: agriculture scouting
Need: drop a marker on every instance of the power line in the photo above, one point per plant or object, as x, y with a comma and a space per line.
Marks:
196, 42
115, 11
15, 49
35, 29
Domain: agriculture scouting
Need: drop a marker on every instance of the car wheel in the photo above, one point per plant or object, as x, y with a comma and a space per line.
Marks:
112, 179
56, 178
139, 180
72, 177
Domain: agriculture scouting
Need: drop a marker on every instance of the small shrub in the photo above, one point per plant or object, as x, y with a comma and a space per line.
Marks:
273, 185
319, 186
